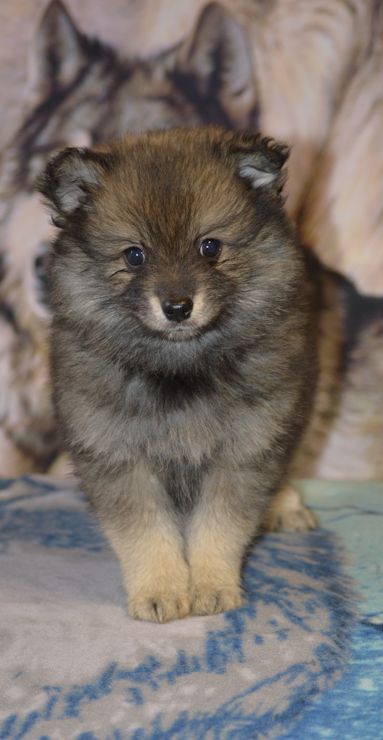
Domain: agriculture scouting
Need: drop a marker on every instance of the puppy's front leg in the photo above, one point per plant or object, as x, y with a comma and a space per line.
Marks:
137, 519
223, 524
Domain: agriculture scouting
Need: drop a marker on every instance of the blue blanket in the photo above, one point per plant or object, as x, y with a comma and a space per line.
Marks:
295, 662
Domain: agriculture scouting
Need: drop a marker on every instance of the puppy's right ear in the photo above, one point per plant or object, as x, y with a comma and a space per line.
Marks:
69, 178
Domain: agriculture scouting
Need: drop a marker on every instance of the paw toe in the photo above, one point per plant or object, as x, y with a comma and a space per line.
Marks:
288, 513
213, 601
159, 607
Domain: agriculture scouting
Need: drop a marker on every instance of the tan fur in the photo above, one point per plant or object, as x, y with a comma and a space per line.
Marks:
62, 467
215, 547
287, 512
150, 550
155, 573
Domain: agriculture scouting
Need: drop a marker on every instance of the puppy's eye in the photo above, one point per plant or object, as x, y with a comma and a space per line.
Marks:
134, 256
210, 247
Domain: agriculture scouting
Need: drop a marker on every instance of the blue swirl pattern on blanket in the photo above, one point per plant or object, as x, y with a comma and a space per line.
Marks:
75, 666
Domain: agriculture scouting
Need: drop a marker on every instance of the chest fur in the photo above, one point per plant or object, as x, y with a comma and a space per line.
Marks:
155, 418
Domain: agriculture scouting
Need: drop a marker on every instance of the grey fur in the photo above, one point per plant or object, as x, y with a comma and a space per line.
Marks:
172, 437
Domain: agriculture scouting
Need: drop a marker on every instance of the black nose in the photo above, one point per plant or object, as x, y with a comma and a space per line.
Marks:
177, 310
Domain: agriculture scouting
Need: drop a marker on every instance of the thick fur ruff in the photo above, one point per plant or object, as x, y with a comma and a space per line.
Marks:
181, 431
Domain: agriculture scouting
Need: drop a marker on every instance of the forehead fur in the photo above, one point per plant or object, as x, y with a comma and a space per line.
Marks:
168, 160
169, 179
165, 185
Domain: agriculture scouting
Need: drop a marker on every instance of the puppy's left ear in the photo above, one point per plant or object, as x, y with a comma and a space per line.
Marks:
69, 178
259, 160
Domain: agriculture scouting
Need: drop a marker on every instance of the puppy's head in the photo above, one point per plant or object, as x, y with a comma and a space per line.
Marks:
178, 235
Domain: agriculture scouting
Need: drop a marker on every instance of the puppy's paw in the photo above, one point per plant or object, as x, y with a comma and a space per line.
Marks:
215, 578
159, 606
155, 574
210, 600
288, 513
62, 467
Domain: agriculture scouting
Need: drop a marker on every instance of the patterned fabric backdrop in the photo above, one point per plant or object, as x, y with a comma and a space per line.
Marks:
309, 73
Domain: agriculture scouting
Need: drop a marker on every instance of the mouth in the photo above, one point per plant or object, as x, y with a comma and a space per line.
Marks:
179, 333
176, 332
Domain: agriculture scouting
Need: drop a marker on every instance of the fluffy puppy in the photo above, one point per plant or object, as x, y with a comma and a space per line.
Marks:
183, 352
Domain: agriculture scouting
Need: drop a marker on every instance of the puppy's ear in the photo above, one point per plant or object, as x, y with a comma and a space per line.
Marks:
69, 178
259, 160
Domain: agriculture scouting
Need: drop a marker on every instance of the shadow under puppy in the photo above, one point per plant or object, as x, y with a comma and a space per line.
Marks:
183, 352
